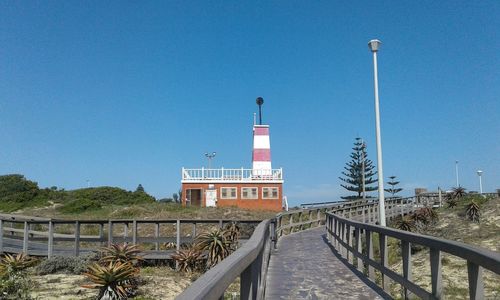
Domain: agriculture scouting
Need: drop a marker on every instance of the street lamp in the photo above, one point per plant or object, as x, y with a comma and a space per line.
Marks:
209, 157
479, 173
456, 171
374, 45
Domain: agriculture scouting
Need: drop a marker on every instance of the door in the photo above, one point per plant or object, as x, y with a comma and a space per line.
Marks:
193, 197
211, 198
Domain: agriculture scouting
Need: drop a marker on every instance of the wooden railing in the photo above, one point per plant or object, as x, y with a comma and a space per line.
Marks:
250, 262
39, 236
347, 236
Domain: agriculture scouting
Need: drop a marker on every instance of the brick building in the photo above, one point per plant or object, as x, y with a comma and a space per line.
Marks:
259, 188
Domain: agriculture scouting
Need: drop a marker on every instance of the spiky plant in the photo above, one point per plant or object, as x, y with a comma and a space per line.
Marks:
216, 245
232, 234
189, 260
458, 192
15, 263
473, 211
115, 280
123, 253
406, 223
452, 203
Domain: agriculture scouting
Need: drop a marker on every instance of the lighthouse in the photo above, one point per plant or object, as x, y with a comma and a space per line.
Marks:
261, 154
258, 188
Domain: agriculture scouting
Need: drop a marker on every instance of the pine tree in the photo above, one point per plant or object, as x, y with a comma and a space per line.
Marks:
354, 171
139, 189
393, 190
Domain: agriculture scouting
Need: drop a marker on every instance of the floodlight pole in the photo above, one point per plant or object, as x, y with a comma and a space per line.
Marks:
210, 156
479, 173
374, 46
456, 171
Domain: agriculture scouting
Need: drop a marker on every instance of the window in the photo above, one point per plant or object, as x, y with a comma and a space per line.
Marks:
228, 193
270, 193
249, 193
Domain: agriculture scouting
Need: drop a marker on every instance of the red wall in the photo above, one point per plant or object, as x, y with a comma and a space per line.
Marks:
255, 204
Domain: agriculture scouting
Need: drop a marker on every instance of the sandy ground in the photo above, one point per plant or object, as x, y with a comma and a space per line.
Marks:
159, 283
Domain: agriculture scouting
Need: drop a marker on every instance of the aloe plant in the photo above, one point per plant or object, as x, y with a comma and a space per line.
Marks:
405, 223
458, 192
473, 211
216, 245
189, 260
115, 280
123, 253
232, 234
15, 263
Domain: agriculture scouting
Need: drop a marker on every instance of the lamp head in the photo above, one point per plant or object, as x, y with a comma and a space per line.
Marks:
479, 172
259, 101
374, 45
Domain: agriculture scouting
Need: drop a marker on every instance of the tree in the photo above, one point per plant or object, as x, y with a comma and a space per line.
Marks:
356, 168
175, 196
393, 190
140, 189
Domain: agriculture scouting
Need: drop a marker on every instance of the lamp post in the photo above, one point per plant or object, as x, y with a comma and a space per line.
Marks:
456, 171
374, 45
479, 173
210, 156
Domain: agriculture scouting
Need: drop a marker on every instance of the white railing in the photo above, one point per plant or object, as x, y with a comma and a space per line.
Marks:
240, 175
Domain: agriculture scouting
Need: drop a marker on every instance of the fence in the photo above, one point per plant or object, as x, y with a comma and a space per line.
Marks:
347, 237
38, 236
250, 262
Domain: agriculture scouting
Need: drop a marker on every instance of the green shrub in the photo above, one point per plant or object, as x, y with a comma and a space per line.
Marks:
79, 206
65, 264
16, 286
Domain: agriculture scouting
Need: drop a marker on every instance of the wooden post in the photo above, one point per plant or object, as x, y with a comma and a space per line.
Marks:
407, 272
25, 237
178, 235
384, 260
101, 233
436, 278
110, 233
363, 214
290, 222
349, 242
476, 287
50, 246
248, 282
359, 250
318, 216
134, 232
369, 249
1, 236
221, 225
157, 235
369, 214
77, 238
125, 231
194, 231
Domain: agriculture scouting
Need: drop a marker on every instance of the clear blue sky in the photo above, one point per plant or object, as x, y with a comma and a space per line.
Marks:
123, 93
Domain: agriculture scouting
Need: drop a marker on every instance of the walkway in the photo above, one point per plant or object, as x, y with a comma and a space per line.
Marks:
305, 267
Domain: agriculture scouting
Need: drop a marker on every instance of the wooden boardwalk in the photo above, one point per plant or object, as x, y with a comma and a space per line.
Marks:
306, 267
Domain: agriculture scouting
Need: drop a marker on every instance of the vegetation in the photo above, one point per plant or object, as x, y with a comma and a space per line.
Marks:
472, 211
65, 264
404, 223
216, 245
190, 259
14, 282
124, 253
355, 169
393, 189
114, 280
17, 192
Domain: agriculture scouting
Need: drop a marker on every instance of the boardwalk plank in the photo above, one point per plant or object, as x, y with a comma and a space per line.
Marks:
305, 267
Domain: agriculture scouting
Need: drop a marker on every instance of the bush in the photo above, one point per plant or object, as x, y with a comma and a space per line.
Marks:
14, 283
79, 206
65, 264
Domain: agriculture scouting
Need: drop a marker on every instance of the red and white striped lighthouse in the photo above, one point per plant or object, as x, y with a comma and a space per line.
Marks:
261, 156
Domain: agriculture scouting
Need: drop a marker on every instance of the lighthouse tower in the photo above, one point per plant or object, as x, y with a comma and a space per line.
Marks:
261, 155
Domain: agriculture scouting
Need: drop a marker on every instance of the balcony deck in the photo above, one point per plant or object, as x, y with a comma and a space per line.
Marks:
232, 175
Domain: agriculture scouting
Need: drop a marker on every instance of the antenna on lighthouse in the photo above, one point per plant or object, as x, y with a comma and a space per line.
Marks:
260, 101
